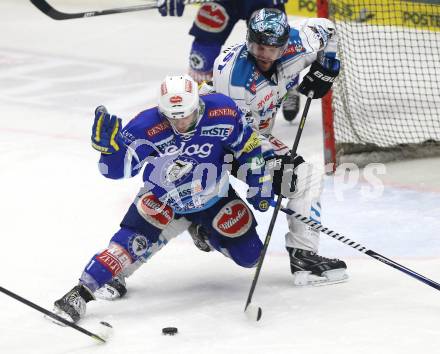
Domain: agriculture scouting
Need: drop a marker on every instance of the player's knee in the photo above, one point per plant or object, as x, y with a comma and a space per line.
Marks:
247, 259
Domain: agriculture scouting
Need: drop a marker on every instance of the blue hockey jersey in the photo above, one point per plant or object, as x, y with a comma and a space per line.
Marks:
188, 172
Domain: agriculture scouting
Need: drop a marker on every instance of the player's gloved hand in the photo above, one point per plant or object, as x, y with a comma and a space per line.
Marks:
171, 7
320, 77
106, 130
264, 197
282, 169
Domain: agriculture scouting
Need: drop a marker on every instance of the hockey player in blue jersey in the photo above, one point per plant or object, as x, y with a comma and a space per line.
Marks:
186, 145
256, 75
211, 28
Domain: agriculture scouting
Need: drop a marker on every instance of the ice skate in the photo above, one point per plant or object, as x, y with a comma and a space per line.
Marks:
309, 268
72, 306
291, 105
113, 290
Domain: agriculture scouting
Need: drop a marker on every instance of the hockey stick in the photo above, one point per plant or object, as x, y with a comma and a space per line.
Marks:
360, 248
252, 311
48, 10
51, 314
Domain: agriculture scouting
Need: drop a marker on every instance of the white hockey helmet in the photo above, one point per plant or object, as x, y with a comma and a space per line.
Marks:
178, 97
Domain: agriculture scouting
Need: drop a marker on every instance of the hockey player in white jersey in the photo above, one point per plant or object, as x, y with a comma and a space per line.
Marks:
257, 75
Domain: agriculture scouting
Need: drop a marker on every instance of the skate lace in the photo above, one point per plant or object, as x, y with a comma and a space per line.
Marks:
322, 258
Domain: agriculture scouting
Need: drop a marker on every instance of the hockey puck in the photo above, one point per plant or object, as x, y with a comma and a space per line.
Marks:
169, 331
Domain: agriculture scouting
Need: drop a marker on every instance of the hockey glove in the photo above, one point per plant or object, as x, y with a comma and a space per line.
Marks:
282, 169
106, 130
264, 197
171, 7
320, 77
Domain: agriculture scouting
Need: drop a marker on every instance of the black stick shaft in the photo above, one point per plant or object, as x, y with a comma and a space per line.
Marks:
50, 11
357, 246
278, 205
50, 314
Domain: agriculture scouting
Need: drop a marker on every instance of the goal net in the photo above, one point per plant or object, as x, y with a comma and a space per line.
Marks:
386, 101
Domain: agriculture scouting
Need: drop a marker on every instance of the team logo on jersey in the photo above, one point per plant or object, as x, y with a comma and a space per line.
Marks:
176, 99
158, 128
154, 211
222, 112
179, 169
219, 130
212, 17
233, 220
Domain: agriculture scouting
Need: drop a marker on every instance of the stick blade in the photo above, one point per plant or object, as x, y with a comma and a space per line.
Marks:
253, 312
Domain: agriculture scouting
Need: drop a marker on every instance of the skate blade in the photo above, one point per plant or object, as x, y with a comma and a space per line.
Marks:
107, 293
306, 278
61, 314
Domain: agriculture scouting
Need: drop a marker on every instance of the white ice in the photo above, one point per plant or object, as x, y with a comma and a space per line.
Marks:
57, 210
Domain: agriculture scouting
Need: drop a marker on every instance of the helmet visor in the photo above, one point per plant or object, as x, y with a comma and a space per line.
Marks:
186, 124
265, 52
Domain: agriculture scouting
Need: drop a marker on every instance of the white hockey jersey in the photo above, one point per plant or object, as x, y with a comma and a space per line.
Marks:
236, 75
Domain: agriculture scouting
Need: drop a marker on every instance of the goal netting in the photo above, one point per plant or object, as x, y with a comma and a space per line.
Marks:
386, 101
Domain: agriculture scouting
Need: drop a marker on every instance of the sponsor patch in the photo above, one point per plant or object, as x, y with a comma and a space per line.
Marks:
293, 49
212, 18
188, 86
265, 99
115, 258
163, 89
265, 124
154, 211
256, 162
233, 220
278, 146
253, 88
222, 112
176, 99
201, 151
252, 143
219, 130
161, 145
138, 245
158, 128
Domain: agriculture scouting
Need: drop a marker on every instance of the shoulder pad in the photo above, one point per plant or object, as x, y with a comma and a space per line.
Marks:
148, 124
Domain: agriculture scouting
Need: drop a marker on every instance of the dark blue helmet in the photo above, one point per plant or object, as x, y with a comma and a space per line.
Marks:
268, 27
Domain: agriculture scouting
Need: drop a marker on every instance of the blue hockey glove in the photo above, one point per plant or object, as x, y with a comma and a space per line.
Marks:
171, 7
320, 77
106, 133
264, 198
